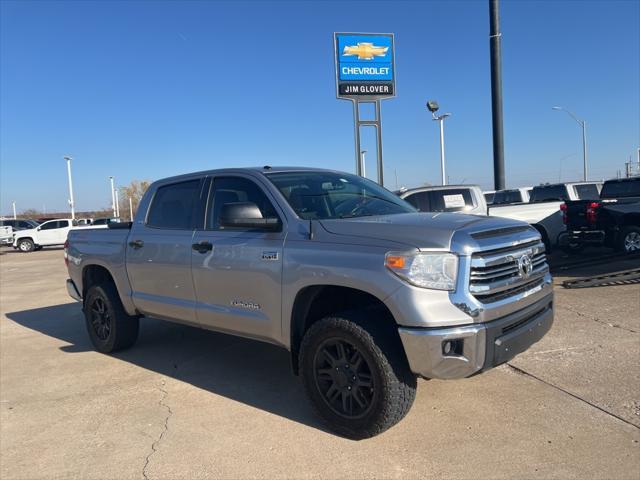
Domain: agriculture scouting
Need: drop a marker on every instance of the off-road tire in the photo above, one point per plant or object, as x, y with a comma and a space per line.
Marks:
26, 245
626, 235
122, 331
393, 386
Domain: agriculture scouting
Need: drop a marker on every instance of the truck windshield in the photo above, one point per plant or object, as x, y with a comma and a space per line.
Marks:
621, 188
507, 196
324, 195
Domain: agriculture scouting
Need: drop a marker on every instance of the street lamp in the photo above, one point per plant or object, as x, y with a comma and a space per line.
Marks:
71, 203
116, 192
583, 124
13, 204
433, 107
113, 197
362, 162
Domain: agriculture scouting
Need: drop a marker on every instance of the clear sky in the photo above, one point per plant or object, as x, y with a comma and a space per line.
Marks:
144, 90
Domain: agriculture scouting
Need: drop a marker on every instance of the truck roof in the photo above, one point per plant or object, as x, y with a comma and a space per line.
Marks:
263, 170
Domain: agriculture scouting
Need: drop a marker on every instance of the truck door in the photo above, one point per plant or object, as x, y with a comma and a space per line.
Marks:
237, 273
159, 252
50, 232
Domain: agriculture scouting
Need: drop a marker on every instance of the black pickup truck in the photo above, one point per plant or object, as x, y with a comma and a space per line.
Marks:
613, 220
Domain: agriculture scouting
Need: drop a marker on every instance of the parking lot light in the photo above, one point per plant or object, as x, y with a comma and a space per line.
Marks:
71, 202
583, 124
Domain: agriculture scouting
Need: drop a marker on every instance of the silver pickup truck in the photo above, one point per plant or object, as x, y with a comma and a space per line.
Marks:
364, 291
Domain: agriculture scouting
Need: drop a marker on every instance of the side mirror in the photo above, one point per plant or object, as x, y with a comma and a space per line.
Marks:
246, 215
38, 229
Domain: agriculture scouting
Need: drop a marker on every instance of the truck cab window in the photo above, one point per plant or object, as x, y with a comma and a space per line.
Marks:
172, 205
233, 190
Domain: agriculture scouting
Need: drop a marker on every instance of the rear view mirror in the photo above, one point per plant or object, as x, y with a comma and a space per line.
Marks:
246, 215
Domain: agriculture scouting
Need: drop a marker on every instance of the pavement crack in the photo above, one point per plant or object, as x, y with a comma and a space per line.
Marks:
154, 445
597, 320
577, 397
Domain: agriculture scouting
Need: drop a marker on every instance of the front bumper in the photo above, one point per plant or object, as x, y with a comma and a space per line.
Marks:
476, 347
73, 291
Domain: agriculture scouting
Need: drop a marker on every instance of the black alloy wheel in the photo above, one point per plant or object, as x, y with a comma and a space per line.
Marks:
100, 318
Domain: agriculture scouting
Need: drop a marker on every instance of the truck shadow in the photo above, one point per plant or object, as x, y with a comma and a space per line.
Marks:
251, 372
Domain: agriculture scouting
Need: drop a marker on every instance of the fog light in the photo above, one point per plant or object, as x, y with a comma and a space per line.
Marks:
446, 348
452, 347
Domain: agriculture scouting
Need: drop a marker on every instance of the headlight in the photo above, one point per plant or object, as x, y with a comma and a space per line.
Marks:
436, 270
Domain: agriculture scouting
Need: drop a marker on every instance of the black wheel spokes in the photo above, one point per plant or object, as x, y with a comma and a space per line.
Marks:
344, 378
100, 319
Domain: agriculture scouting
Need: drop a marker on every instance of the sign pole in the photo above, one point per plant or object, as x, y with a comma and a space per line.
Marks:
356, 123
379, 144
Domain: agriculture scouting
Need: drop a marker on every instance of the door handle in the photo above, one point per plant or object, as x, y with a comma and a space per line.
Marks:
202, 247
136, 244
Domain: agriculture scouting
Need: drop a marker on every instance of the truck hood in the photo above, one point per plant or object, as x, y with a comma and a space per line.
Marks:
419, 230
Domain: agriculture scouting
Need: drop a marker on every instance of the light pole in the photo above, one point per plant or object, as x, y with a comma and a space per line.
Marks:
130, 210
583, 124
117, 203
71, 202
362, 162
433, 107
113, 197
13, 204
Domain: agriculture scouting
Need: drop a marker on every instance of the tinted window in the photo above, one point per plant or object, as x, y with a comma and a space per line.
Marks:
489, 197
451, 200
624, 188
420, 200
50, 225
507, 196
587, 192
173, 205
549, 193
322, 195
233, 190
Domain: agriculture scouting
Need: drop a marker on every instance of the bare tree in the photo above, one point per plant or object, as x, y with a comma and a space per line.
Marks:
134, 191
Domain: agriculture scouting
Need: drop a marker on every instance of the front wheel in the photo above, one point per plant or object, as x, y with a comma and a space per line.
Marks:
110, 328
26, 245
356, 375
629, 240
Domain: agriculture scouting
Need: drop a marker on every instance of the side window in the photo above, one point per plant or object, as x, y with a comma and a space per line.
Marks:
63, 224
172, 205
232, 190
419, 200
49, 225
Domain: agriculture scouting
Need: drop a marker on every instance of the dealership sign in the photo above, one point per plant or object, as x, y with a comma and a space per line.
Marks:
364, 65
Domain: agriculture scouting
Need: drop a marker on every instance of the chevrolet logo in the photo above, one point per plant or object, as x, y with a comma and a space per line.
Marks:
365, 51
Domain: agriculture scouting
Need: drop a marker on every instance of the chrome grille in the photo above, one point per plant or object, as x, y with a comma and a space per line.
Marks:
495, 274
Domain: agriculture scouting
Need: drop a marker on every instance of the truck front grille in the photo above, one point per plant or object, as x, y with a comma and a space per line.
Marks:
499, 274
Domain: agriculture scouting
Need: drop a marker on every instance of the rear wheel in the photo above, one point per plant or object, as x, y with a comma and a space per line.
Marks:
356, 375
26, 245
629, 239
110, 328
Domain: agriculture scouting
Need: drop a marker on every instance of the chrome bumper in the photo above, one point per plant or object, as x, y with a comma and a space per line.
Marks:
476, 347
73, 291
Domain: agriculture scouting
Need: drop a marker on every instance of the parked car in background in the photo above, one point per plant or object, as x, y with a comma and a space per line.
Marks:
6, 236
105, 220
613, 220
50, 233
543, 210
364, 292
18, 223
447, 198
512, 195
84, 221
488, 196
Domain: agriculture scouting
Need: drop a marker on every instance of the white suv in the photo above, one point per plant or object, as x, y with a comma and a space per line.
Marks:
53, 232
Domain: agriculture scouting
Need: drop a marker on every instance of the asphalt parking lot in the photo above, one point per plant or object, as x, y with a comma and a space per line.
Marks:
188, 403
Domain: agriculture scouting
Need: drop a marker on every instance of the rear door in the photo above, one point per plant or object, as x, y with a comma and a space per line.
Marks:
237, 273
159, 252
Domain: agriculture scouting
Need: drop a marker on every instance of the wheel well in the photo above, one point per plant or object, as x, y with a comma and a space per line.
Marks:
26, 238
316, 302
544, 235
92, 275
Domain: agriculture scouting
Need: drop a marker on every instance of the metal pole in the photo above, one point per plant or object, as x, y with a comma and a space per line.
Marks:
395, 170
113, 197
379, 144
496, 94
363, 164
117, 204
356, 121
71, 202
584, 150
13, 204
442, 168
130, 209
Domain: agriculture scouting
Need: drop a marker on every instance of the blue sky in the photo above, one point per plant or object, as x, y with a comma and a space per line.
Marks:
144, 90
